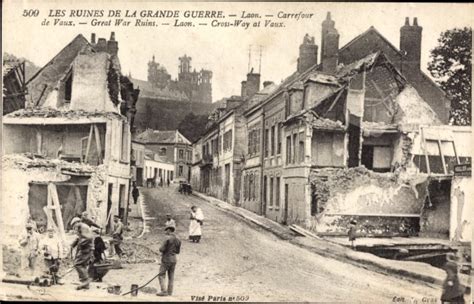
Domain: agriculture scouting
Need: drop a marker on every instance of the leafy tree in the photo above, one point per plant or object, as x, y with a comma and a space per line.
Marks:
451, 66
192, 126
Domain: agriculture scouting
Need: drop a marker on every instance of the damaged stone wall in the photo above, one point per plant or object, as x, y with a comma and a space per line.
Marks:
20, 170
358, 191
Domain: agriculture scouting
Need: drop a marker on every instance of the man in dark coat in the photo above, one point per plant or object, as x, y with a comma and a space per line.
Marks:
453, 292
170, 247
135, 194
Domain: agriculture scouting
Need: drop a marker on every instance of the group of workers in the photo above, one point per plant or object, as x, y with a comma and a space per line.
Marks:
88, 245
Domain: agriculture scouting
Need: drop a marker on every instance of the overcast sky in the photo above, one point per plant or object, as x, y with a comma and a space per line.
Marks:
224, 50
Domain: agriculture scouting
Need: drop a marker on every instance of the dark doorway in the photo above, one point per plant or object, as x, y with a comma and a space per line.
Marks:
354, 140
285, 210
109, 205
227, 181
368, 156
122, 202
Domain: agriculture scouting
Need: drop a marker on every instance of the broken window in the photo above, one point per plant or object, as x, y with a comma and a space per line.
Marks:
270, 202
327, 149
279, 139
162, 151
295, 152
377, 158
266, 142
68, 88
277, 190
301, 148
265, 189
272, 141
288, 149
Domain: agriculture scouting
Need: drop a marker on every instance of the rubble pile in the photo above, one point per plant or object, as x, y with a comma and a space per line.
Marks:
26, 161
45, 112
137, 253
353, 189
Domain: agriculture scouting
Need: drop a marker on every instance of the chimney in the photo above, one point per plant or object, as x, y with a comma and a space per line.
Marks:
112, 45
243, 89
267, 83
308, 54
93, 38
253, 83
329, 45
101, 45
410, 43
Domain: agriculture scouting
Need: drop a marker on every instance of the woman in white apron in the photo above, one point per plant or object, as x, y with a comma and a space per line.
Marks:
196, 218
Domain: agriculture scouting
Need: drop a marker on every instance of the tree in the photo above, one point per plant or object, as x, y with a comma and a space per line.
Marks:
192, 126
450, 65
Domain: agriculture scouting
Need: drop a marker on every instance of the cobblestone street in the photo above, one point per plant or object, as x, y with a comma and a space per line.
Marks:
242, 260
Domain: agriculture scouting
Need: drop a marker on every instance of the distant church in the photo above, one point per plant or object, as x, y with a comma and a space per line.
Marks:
197, 86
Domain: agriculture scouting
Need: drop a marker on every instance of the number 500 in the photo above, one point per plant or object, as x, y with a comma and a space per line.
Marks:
31, 13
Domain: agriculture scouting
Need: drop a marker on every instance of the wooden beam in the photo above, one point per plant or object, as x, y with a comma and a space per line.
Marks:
455, 153
443, 161
55, 202
425, 152
89, 140
97, 141
335, 101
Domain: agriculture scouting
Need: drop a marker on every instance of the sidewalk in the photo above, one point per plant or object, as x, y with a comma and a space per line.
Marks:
406, 269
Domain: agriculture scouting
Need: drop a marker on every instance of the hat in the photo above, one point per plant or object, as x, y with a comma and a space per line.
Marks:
75, 220
353, 222
171, 227
29, 226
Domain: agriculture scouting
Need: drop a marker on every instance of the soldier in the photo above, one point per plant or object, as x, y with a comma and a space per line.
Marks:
52, 249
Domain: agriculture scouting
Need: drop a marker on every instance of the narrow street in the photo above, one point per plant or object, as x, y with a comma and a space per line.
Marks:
247, 261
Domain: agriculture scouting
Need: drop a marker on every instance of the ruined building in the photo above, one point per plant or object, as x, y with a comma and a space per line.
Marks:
357, 136
196, 86
69, 150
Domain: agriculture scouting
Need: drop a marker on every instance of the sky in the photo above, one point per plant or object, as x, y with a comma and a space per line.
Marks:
225, 51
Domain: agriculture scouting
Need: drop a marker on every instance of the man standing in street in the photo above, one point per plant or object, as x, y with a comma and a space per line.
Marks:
170, 221
117, 237
170, 247
84, 249
135, 193
30, 248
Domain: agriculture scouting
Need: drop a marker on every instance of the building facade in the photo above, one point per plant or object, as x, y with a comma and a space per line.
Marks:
171, 147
